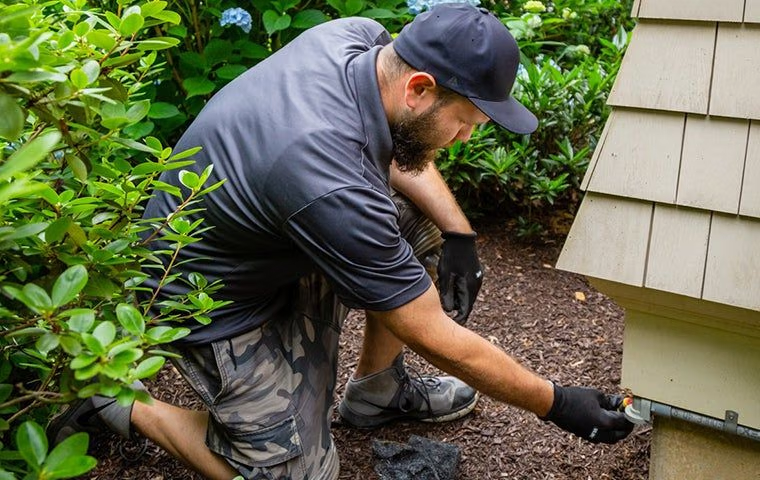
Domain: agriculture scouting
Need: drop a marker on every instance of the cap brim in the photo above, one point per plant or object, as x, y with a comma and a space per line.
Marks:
509, 113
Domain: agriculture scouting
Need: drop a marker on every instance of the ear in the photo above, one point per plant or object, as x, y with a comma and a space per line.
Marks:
419, 91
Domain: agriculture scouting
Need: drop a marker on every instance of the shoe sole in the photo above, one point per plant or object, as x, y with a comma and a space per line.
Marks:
379, 421
454, 415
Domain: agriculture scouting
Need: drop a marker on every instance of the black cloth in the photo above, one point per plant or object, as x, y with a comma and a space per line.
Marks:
304, 145
420, 459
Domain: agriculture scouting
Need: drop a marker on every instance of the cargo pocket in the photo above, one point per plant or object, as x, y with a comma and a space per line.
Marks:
273, 452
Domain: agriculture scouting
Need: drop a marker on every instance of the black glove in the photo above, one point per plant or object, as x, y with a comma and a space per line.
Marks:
589, 414
459, 274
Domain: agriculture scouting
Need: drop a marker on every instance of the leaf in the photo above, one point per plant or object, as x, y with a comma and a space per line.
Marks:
130, 318
69, 284
47, 343
149, 367
149, 9
162, 110
32, 444
75, 445
378, 13
168, 16
36, 76
27, 231
79, 78
81, 319
252, 50
216, 51
30, 154
83, 360
189, 179
131, 24
105, 333
229, 72
274, 22
157, 43
308, 18
354, 6
55, 232
198, 86
37, 297
101, 39
91, 68
138, 111
185, 153
12, 119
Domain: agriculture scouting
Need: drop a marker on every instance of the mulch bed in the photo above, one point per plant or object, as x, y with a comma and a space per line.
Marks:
551, 321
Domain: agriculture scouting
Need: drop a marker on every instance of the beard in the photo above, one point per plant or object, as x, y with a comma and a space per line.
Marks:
414, 140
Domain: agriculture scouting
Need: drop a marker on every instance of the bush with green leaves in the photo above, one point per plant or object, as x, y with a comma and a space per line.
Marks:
76, 169
571, 51
220, 39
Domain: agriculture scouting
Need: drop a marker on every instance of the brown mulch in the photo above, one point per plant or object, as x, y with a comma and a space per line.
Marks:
551, 321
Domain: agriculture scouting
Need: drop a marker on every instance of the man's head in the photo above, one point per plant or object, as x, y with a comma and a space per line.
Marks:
469, 51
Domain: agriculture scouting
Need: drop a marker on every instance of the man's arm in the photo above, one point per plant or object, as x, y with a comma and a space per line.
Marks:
429, 192
426, 329
460, 274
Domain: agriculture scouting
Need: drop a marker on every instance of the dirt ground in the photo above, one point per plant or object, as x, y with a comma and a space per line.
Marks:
549, 320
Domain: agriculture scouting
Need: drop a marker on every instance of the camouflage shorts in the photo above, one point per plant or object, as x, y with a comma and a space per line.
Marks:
270, 391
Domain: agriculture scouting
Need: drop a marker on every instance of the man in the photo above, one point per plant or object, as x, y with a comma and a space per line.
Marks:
306, 223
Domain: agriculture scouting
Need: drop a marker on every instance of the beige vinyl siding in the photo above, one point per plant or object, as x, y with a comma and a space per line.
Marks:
597, 151
640, 156
667, 67
712, 163
608, 239
677, 250
690, 366
706, 10
750, 201
752, 11
635, 9
736, 77
732, 275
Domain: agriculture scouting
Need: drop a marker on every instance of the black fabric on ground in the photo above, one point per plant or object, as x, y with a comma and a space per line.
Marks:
419, 459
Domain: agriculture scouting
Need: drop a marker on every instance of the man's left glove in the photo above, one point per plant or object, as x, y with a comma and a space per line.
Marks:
459, 274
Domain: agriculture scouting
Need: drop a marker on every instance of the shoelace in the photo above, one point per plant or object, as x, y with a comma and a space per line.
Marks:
412, 387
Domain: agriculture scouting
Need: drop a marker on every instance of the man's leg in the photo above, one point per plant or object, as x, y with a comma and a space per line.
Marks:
182, 433
380, 347
381, 390
270, 391
269, 394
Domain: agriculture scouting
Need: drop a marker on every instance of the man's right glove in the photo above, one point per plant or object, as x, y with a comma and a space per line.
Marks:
589, 414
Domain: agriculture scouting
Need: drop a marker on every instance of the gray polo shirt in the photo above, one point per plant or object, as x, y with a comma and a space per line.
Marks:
304, 145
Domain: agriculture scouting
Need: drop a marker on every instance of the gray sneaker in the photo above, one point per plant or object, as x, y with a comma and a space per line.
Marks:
92, 415
392, 394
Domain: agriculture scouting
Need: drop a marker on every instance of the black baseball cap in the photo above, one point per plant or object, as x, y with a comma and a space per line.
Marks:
468, 50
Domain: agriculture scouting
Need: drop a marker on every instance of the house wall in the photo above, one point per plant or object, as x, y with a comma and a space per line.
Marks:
682, 450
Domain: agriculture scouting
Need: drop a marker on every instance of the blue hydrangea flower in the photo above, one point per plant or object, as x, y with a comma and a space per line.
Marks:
419, 6
237, 16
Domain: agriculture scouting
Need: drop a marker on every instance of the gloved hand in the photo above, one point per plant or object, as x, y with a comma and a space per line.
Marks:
459, 274
589, 414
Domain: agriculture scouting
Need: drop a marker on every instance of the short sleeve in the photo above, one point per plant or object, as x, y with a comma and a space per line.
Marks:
352, 235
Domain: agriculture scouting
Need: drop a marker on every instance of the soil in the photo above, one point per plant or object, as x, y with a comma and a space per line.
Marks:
549, 320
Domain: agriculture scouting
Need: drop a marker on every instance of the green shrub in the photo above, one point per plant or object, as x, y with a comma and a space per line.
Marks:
571, 53
76, 168
208, 55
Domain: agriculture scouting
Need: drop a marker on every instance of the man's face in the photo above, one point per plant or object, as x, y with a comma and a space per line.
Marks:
417, 137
